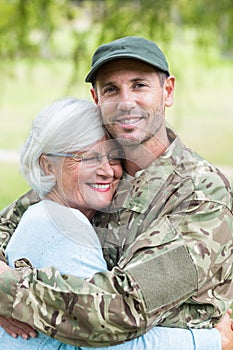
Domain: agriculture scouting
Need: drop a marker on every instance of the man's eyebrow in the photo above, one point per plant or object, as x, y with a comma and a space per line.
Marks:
108, 83
139, 79
133, 80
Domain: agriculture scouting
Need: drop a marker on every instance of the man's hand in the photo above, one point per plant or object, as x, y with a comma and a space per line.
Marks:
225, 327
16, 328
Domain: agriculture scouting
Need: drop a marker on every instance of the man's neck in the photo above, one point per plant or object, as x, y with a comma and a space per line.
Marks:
140, 156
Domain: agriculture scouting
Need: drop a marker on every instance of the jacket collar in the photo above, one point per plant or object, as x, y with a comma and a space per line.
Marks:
136, 193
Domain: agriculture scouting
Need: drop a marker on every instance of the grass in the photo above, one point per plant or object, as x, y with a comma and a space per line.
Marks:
201, 114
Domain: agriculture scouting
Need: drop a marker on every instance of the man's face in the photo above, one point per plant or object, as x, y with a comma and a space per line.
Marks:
132, 100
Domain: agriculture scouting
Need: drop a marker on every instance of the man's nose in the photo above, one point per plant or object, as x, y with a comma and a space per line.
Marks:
125, 105
126, 100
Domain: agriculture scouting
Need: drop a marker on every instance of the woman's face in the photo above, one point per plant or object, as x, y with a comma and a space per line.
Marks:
89, 184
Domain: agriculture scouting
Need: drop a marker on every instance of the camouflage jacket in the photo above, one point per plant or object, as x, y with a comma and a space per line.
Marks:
168, 241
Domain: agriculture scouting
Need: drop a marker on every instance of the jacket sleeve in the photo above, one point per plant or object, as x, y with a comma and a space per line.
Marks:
189, 265
10, 217
195, 264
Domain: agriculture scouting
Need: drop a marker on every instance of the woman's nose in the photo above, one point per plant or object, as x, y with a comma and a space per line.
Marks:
105, 168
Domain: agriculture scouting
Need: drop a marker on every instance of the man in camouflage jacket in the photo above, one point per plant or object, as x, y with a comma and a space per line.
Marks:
167, 239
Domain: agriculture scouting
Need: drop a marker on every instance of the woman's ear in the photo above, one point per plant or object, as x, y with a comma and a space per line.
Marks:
46, 165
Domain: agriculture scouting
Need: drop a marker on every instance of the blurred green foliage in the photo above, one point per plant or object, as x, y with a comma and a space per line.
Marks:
29, 27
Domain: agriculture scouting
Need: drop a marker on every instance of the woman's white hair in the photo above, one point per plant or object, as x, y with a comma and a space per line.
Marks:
64, 126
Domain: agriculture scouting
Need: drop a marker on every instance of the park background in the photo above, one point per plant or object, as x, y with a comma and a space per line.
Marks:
45, 53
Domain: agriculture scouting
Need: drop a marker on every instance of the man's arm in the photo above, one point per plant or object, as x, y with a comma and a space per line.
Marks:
116, 304
9, 219
11, 215
161, 338
120, 299
158, 337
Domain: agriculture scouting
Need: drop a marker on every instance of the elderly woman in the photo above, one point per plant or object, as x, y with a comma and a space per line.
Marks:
69, 161
73, 166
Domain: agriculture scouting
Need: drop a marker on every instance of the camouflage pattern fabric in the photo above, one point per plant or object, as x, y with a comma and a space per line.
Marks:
169, 234
10, 217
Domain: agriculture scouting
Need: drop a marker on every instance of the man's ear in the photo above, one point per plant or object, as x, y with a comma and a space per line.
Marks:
46, 165
94, 95
169, 87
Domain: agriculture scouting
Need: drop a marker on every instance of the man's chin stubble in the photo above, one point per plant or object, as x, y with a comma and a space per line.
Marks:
134, 142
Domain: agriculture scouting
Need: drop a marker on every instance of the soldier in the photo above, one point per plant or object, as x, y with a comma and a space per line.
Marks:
167, 238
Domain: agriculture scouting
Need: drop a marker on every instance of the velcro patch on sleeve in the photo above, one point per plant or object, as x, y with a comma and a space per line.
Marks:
166, 278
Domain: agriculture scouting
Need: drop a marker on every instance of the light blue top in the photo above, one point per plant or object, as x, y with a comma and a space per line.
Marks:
50, 234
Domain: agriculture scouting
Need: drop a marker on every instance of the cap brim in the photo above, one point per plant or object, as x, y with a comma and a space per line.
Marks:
91, 75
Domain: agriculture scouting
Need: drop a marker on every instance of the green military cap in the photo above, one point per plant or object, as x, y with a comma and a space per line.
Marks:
128, 47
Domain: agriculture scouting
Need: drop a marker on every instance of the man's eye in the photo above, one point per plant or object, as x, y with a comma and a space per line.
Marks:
110, 89
139, 85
